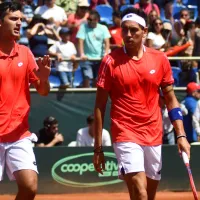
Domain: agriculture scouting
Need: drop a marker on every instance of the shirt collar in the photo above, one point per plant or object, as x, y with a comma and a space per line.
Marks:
13, 53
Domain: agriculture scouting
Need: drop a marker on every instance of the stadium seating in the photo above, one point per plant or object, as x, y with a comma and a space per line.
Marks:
123, 7
193, 11
190, 2
176, 74
105, 12
54, 79
78, 78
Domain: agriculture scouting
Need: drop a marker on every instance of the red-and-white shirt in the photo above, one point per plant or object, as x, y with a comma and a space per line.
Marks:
133, 86
16, 72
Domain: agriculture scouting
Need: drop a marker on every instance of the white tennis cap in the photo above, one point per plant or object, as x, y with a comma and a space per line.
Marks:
134, 17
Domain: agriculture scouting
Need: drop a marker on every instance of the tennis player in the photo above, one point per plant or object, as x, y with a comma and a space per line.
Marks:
132, 77
17, 69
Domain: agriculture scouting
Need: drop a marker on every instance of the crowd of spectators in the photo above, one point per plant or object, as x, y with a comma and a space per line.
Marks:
88, 36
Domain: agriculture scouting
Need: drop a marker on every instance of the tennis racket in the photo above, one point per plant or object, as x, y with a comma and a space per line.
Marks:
187, 164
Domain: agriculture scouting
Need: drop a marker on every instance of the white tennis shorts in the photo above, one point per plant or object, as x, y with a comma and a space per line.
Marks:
132, 157
16, 156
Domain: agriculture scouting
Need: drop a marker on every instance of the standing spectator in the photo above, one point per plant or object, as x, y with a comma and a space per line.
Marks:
147, 6
93, 42
53, 13
49, 135
18, 70
190, 102
85, 136
75, 20
64, 49
115, 31
155, 38
38, 33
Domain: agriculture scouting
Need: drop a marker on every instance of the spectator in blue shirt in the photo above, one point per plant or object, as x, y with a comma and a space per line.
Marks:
190, 102
93, 43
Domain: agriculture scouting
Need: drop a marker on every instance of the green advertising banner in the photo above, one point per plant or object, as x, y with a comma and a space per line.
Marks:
70, 170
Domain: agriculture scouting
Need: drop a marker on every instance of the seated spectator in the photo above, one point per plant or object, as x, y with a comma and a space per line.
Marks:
151, 17
93, 42
115, 31
64, 49
147, 6
69, 6
190, 102
75, 20
49, 136
38, 33
167, 34
155, 38
196, 50
52, 12
85, 136
178, 31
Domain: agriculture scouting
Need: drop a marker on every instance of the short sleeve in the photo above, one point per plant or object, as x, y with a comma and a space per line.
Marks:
105, 73
73, 49
106, 33
31, 66
151, 36
106, 141
53, 48
167, 73
81, 32
79, 139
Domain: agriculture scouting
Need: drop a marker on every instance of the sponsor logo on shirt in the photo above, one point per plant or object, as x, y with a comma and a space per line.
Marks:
20, 64
152, 71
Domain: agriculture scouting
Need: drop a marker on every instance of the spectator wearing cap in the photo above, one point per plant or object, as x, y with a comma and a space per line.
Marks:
64, 49
49, 135
85, 136
115, 31
76, 19
93, 43
191, 102
147, 6
53, 13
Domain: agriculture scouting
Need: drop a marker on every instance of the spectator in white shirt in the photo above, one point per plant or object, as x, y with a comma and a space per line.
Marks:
50, 11
85, 136
64, 49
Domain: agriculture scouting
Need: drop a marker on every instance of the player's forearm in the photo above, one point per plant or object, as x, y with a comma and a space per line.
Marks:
43, 87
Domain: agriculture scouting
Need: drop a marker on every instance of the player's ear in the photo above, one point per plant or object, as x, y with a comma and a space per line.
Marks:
145, 32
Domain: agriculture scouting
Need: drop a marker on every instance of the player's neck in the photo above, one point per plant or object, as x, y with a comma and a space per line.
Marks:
6, 46
135, 53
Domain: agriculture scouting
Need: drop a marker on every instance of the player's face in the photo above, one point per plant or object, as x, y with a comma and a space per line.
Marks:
133, 34
10, 25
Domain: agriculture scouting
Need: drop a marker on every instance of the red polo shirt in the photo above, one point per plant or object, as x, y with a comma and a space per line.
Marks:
16, 72
133, 86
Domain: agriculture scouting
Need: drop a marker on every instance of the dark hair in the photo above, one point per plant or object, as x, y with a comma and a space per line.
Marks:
197, 21
94, 12
116, 14
37, 19
152, 29
135, 11
49, 121
10, 6
90, 119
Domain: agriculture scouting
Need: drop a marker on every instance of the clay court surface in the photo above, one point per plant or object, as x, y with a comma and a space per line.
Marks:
109, 196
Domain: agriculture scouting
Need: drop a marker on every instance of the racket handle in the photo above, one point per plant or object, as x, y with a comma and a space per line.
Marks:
185, 158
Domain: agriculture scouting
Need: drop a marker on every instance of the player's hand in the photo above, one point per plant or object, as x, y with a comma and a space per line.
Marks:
183, 145
44, 70
99, 162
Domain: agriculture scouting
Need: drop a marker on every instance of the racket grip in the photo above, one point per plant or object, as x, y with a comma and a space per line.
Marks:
185, 158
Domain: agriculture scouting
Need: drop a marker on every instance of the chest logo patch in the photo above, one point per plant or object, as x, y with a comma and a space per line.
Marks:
20, 64
152, 71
